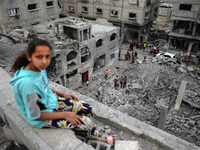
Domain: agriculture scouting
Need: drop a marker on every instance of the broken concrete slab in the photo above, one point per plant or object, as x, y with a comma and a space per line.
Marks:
162, 118
180, 94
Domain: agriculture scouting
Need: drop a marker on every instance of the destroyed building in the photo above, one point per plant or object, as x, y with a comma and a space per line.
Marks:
20, 13
134, 16
81, 48
185, 30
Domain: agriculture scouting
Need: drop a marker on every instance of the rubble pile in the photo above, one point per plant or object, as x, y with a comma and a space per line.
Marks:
161, 82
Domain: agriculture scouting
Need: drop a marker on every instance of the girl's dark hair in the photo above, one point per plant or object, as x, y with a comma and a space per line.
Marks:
22, 60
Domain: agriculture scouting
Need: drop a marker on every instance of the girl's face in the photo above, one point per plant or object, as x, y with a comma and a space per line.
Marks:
40, 59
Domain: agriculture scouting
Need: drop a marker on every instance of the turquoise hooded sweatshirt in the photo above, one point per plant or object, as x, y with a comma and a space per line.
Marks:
33, 95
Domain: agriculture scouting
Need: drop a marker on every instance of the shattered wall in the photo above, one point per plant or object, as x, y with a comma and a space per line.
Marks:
21, 13
185, 26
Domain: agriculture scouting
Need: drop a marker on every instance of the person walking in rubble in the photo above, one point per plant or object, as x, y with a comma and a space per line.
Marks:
124, 82
131, 46
87, 83
146, 98
133, 57
135, 54
134, 41
140, 45
116, 78
144, 61
121, 81
128, 90
106, 74
116, 84
144, 46
43, 107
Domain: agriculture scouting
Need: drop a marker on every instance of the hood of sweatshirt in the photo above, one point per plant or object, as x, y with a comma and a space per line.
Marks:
21, 73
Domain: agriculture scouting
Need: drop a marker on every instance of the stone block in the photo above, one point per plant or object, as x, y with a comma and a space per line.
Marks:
97, 145
126, 145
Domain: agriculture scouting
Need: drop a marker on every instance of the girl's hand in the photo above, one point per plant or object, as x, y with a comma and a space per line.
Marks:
74, 119
71, 96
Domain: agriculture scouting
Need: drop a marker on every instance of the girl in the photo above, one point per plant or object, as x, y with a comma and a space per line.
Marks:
39, 104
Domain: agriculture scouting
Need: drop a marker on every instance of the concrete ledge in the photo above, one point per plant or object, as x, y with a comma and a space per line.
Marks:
39, 139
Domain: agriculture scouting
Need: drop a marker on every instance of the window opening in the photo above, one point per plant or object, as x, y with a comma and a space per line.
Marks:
99, 10
99, 43
71, 65
50, 3
147, 15
148, 2
32, 6
84, 9
13, 11
112, 37
72, 73
132, 16
114, 13
185, 7
85, 58
71, 8
112, 56
85, 34
71, 55
70, 32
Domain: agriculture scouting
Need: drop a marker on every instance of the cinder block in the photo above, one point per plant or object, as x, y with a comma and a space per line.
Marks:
97, 145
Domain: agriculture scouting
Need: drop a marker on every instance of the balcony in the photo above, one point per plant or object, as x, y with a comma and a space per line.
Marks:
183, 15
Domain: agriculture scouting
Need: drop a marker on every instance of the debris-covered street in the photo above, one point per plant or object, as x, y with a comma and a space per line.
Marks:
161, 82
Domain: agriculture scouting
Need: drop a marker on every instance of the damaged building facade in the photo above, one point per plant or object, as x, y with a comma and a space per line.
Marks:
135, 17
80, 47
21, 13
185, 30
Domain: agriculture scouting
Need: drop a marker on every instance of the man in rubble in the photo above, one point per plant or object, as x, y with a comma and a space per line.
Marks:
106, 74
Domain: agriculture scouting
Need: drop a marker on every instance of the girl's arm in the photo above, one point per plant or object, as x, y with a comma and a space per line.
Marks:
69, 116
70, 96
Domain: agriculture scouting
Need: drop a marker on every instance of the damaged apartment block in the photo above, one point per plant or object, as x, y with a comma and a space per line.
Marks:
134, 16
81, 48
185, 31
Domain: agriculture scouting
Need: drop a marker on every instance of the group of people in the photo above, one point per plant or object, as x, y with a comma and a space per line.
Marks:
138, 45
131, 55
120, 82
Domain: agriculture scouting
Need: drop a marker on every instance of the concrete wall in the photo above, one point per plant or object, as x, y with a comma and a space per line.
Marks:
26, 17
165, 11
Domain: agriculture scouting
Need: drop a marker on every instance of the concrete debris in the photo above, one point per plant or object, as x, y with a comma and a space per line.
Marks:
161, 82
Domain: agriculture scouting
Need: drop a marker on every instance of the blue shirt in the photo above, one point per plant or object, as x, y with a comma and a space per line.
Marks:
31, 91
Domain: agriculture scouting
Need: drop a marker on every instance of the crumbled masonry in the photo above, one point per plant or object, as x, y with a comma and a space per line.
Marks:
161, 82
